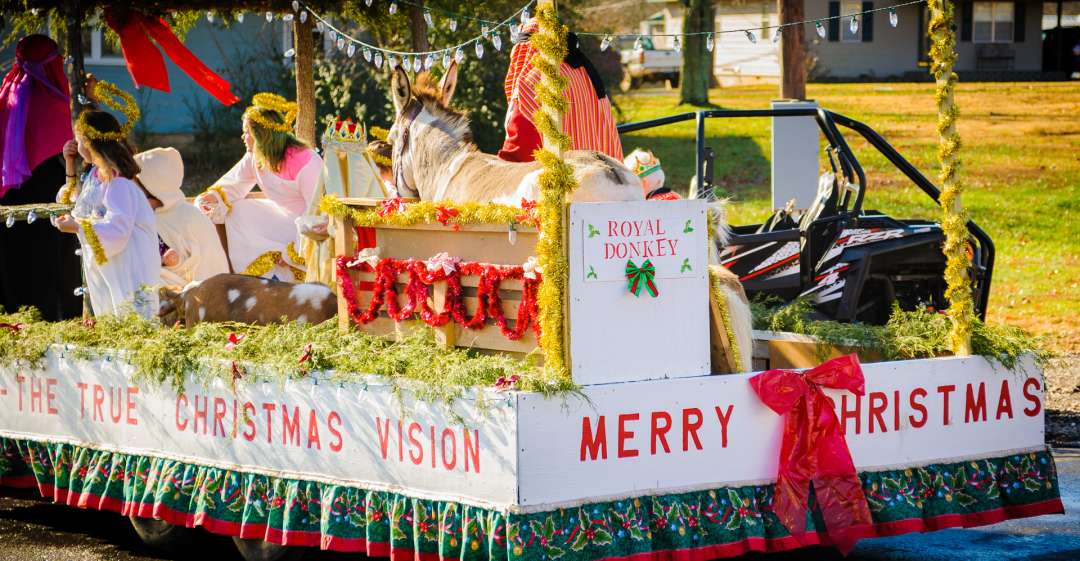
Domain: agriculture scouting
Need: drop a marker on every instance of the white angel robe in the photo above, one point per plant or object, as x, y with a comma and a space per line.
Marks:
124, 224
184, 229
256, 226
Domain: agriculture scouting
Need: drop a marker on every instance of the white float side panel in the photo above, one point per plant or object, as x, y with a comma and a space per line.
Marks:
616, 336
354, 434
665, 436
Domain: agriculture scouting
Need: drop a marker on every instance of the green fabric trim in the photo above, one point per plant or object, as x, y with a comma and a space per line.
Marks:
380, 523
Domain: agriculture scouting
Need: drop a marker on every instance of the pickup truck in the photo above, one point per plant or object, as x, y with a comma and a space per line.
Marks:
647, 64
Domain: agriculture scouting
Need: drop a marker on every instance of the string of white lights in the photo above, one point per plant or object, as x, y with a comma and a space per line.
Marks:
491, 33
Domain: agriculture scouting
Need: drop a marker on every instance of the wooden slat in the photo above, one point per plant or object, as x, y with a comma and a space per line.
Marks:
344, 244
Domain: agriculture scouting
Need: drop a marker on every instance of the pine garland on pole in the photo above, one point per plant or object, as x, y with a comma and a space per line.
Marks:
954, 220
556, 182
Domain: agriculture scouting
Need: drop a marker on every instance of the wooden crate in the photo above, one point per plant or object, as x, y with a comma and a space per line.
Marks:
776, 349
484, 243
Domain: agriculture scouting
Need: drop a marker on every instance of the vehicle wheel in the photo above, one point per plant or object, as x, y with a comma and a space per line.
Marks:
673, 82
161, 534
259, 550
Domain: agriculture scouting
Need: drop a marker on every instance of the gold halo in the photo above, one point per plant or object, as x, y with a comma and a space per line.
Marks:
379, 133
272, 102
115, 98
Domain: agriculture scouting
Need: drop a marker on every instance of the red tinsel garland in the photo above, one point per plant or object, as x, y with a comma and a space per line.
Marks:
416, 289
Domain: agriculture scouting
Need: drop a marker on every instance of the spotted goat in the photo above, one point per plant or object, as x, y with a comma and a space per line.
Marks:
247, 299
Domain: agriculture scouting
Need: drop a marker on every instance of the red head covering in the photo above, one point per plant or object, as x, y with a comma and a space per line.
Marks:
35, 112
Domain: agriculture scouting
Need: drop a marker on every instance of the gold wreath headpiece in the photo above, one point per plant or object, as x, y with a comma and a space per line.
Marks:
116, 98
378, 158
272, 102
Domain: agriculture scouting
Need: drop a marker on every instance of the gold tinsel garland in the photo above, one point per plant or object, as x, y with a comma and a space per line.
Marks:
95, 244
272, 102
427, 212
263, 263
66, 195
379, 133
725, 316
556, 182
378, 158
221, 195
293, 255
958, 292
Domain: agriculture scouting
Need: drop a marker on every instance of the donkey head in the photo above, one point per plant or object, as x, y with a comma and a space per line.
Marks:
426, 132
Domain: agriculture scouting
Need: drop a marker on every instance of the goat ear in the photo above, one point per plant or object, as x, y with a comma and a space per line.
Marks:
449, 83
400, 89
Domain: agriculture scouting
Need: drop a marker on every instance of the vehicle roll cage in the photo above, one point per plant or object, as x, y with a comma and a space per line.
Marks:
849, 167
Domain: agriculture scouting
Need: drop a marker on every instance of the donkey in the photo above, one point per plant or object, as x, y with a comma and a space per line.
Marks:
435, 157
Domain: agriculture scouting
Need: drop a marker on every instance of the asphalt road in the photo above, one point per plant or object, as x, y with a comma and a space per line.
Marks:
32, 530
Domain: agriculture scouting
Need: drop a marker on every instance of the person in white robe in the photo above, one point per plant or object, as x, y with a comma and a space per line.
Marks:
261, 234
195, 252
115, 224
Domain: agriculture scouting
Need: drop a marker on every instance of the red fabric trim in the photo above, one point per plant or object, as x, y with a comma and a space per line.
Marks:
382, 549
522, 138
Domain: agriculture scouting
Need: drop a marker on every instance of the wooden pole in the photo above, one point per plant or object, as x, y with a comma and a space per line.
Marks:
73, 21
303, 66
792, 50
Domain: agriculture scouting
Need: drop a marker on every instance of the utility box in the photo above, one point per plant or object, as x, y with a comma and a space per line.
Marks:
796, 145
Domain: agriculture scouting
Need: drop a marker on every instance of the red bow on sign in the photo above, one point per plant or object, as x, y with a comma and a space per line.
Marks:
145, 63
814, 450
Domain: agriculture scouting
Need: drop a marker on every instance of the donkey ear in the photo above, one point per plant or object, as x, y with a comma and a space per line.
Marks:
449, 83
400, 89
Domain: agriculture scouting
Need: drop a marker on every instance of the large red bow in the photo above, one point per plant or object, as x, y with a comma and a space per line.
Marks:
814, 450
145, 63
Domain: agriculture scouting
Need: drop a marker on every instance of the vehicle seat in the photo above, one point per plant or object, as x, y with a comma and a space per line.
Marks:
780, 220
824, 203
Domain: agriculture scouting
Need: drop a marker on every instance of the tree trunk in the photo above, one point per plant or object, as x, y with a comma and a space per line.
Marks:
696, 73
418, 28
792, 50
76, 73
303, 66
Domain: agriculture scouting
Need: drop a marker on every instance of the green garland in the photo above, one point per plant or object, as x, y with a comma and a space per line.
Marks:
165, 354
21, 212
907, 335
943, 54
428, 212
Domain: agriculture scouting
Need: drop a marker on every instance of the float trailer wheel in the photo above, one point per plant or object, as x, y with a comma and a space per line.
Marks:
259, 550
160, 534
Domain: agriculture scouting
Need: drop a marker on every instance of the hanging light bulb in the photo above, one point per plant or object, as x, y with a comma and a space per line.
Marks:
894, 18
333, 37
776, 34
290, 53
295, 6
210, 17
319, 26
393, 8
524, 15
303, 16
351, 50
446, 59
515, 32
10, 222
417, 64
391, 62
638, 47
605, 43
710, 42
496, 41
459, 55
854, 25
820, 29
31, 217
367, 54
340, 43
429, 61
750, 36
427, 19
676, 44
240, 17
378, 59
287, 17
479, 49
367, 3
452, 24
269, 16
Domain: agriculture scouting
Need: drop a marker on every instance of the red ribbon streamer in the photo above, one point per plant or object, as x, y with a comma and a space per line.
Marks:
814, 450
147, 66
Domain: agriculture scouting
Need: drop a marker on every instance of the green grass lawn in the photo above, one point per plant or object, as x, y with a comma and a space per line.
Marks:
1021, 167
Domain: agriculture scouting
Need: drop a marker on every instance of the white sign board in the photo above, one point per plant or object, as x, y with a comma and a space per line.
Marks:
656, 327
657, 437
356, 434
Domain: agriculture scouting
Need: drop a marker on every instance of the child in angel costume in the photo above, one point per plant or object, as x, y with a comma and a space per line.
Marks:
112, 218
191, 248
261, 233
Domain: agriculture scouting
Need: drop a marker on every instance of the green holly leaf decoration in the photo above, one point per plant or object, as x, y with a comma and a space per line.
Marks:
593, 232
592, 273
553, 552
965, 499
602, 537
687, 228
685, 266
580, 541
1032, 485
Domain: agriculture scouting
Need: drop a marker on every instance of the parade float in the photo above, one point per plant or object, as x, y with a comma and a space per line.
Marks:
496, 388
